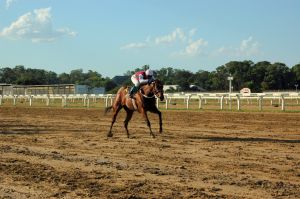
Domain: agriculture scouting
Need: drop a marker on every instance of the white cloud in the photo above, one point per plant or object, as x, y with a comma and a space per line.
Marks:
192, 32
36, 26
133, 45
172, 37
247, 47
194, 47
189, 46
8, 3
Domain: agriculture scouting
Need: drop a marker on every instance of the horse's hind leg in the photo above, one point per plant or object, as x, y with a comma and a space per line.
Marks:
127, 119
116, 111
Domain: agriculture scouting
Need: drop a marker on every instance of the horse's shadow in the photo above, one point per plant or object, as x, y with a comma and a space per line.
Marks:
237, 139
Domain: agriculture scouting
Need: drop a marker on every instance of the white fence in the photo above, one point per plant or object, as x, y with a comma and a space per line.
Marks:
233, 101
65, 100
228, 99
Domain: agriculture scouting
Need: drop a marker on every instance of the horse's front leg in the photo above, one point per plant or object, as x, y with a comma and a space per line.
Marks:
144, 113
156, 111
160, 122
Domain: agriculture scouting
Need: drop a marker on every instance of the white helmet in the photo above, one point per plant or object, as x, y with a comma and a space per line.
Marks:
149, 72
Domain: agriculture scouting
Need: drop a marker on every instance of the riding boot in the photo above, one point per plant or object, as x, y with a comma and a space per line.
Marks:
133, 90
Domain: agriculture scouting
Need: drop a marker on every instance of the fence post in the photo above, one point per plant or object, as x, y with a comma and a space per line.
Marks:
88, 101
111, 100
106, 101
238, 102
230, 102
157, 103
63, 101
200, 101
15, 100
282, 103
188, 101
0, 100
260, 101
84, 100
221, 102
166, 98
30, 100
47, 100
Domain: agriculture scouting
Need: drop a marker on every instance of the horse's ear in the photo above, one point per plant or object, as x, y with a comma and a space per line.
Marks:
159, 82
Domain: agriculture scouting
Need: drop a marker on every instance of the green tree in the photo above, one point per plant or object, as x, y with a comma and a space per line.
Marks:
296, 72
109, 85
219, 78
51, 77
64, 78
202, 79
257, 75
240, 72
276, 77
77, 76
93, 79
183, 79
166, 75
8, 75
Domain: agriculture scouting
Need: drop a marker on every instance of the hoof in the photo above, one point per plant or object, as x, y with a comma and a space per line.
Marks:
109, 135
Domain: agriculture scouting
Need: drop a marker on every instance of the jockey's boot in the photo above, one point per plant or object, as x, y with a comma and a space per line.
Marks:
133, 90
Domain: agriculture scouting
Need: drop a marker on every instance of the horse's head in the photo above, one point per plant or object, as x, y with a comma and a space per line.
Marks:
158, 89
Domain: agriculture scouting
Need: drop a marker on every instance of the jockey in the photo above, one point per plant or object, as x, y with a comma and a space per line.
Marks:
140, 78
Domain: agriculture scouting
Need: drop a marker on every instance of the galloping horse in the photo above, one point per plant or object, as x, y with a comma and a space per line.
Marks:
144, 100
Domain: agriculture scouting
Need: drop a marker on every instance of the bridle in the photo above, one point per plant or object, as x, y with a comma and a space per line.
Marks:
155, 91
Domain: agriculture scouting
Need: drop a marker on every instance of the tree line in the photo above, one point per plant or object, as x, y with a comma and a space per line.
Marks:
260, 76
20, 75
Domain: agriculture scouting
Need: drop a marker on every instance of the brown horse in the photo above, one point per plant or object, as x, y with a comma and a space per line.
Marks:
144, 100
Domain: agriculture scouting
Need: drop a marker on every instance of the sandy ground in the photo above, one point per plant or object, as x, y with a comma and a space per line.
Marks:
64, 153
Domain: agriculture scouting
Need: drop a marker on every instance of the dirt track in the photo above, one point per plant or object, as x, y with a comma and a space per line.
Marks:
64, 153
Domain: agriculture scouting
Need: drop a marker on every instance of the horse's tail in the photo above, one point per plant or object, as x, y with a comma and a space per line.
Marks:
107, 109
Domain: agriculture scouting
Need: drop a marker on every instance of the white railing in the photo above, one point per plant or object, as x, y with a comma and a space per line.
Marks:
64, 99
200, 98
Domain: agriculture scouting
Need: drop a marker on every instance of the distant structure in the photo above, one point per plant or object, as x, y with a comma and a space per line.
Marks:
120, 79
175, 87
171, 87
9, 89
245, 90
196, 88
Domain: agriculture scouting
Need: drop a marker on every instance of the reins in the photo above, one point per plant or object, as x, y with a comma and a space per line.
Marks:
145, 96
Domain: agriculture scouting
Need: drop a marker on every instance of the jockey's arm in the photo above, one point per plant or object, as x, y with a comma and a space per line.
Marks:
142, 80
151, 79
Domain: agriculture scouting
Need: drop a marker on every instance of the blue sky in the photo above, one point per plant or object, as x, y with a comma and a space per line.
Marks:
114, 36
